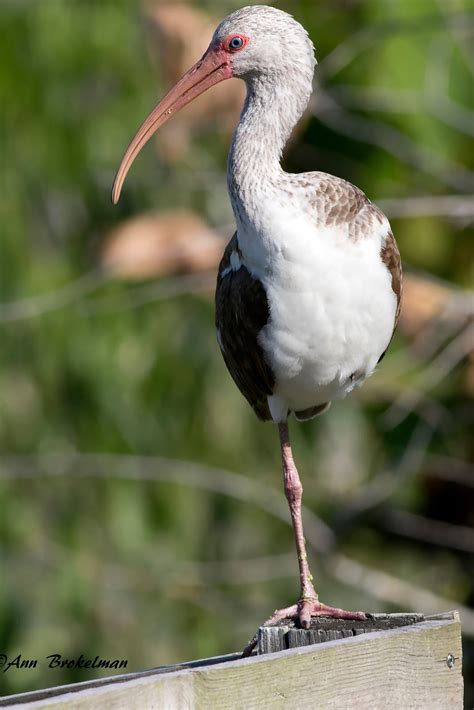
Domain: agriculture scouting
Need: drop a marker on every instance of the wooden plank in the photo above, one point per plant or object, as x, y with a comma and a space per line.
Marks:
286, 635
417, 666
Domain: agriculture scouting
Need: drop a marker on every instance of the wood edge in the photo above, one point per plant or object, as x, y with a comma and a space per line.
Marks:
360, 638
53, 695
453, 615
58, 691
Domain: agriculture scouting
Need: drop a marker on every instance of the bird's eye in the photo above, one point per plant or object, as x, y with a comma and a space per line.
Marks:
235, 43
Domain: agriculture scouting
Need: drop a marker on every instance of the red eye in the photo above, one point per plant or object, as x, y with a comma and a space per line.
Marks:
235, 43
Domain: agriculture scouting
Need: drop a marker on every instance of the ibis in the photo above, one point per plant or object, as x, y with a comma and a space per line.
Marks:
309, 287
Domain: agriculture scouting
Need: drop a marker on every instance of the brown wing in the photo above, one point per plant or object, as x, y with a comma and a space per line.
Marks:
391, 258
241, 313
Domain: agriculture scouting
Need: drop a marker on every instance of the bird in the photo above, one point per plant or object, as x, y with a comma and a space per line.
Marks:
309, 287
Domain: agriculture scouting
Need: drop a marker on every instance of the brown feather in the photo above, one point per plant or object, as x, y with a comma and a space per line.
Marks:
338, 202
391, 258
241, 313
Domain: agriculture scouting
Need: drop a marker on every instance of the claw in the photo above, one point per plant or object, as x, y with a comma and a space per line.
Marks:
302, 613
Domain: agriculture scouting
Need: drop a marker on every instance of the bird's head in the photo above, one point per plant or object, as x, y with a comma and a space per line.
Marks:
262, 40
256, 41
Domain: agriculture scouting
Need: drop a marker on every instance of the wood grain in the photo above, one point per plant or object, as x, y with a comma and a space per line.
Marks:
286, 635
402, 668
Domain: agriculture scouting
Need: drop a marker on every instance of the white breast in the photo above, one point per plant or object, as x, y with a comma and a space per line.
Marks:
332, 308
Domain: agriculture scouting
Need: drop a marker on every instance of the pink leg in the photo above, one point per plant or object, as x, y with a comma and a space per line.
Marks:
308, 604
294, 494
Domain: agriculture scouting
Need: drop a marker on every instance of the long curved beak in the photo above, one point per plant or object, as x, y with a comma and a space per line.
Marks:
212, 68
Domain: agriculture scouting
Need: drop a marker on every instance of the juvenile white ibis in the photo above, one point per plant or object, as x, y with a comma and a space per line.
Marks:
308, 290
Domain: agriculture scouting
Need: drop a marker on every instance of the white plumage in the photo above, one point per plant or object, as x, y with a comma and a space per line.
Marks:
308, 291
331, 316
332, 307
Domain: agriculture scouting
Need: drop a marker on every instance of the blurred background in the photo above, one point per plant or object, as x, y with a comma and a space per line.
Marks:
142, 513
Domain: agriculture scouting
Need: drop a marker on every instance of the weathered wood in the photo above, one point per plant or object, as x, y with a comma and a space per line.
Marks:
416, 666
286, 635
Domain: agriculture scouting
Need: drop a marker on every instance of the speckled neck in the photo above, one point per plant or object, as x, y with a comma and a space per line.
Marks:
273, 106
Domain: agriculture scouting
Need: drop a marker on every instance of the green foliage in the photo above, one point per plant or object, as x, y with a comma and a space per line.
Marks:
98, 557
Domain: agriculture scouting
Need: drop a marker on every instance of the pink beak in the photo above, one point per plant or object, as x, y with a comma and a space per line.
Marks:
212, 68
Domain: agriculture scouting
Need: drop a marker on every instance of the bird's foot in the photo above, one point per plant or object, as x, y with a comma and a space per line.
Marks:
302, 612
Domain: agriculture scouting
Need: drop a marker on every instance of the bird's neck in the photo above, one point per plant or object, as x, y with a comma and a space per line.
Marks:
272, 108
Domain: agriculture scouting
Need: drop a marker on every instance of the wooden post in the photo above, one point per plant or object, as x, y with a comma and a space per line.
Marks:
286, 635
418, 665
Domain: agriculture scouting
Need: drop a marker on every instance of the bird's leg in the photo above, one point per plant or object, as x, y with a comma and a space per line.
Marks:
308, 604
294, 494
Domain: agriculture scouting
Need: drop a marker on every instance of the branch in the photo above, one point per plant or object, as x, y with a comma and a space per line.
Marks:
171, 287
346, 52
434, 532
436, 90
384, 485
438, 369
393, 142
453, 206
457, 31
375, 98
387, 588
321, 538
71, 293
448, 468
